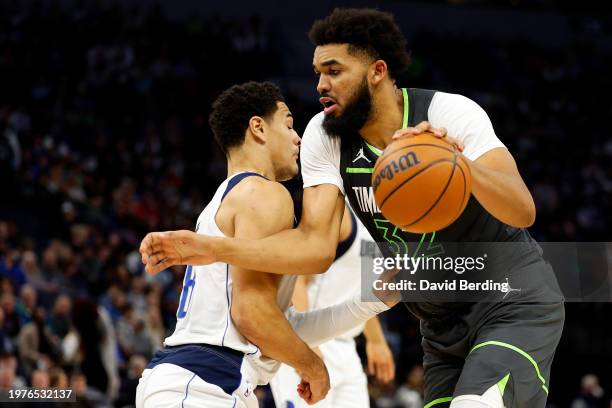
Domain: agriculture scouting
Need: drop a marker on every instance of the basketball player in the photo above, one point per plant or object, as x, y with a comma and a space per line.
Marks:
476, 355
349, 385
229, 318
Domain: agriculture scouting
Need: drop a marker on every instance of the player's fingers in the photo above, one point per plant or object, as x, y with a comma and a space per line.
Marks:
371, 366
439, 132
423, 126
154, 268
408, 132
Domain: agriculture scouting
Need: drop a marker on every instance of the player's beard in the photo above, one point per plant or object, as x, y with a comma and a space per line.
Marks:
355, 115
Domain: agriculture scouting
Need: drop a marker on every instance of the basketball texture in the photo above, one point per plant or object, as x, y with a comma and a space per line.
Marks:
421, 184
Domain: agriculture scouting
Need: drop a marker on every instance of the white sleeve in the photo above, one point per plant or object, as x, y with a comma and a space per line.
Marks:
465, 120
320, 156
319, 326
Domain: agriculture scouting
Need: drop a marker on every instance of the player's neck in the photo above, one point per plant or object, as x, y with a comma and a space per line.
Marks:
239, 162
386, 118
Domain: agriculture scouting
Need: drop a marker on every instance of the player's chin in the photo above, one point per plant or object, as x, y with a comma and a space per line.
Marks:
289, 172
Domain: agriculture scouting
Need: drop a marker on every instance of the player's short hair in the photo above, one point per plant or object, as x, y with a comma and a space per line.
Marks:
232, 110
366, 31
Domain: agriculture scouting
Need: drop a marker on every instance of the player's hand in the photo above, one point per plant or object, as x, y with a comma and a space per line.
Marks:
426, 127
314, 386
380, 361
161, 250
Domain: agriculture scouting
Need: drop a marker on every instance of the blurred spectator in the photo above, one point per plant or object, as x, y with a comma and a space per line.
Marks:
410, 394
6, 342
86, 395
133, 335
591, 394
58, 378
40, 379
59, 322
36, 348
12, 323
127, 392
27, 303
11, 268
8, 373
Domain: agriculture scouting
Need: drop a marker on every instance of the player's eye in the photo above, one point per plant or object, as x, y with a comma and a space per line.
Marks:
334, 72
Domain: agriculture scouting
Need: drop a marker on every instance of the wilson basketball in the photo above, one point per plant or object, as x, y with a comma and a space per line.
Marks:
421, 184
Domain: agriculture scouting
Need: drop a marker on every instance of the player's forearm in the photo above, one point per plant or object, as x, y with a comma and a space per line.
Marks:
318, 326
263, 324
373, 331
292, 252
503, 195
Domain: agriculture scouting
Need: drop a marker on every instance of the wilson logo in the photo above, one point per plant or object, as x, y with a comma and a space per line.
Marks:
404, 162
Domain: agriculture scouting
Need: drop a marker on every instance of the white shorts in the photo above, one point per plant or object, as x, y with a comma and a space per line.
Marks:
168, 385
195, 376
349, 384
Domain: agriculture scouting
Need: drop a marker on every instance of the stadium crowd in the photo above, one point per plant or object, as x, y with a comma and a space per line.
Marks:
103, 137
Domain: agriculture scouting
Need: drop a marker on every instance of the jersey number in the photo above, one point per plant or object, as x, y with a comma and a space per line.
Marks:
188, 286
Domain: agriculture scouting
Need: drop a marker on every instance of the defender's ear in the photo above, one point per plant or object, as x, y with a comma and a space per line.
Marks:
257, 129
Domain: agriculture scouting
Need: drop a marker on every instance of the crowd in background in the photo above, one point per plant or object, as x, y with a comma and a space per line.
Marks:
104, 137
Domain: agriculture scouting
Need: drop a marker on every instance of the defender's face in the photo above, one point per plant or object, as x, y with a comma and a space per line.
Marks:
340, 75
284, 143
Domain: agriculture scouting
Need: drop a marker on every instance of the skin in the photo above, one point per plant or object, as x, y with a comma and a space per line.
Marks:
380, 361
310, 247
254, 209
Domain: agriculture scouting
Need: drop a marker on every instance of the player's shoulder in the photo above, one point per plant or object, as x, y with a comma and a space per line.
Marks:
314, 128
259, 192
447, 108
262, 203
449, 100
316, 140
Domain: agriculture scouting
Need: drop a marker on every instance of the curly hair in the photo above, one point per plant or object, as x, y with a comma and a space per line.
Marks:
368, 31
232, 110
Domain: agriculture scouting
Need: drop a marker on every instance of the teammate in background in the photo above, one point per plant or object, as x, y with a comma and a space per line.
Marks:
229, 318
479, 355
349, 385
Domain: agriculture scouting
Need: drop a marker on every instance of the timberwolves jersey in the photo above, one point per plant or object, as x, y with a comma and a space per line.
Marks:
203, 315
348, 163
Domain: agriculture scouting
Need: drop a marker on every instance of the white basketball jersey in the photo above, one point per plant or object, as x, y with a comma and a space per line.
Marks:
343, 279
203, 315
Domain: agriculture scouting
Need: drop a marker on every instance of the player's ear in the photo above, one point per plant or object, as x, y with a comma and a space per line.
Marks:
256, 127
377, 72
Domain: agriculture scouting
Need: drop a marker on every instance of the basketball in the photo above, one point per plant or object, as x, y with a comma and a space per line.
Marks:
421, 184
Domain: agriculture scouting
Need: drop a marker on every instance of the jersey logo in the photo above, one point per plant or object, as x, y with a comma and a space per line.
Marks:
365, 199
361, 155
510, 289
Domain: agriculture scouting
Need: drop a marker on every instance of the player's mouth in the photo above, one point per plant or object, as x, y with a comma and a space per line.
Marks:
329, 104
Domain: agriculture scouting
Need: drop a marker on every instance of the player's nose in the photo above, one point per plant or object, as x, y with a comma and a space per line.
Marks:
323, 85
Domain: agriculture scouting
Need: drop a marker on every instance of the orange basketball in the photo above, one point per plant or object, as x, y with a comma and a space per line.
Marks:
421, 184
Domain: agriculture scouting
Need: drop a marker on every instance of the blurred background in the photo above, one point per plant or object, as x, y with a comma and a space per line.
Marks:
104, 137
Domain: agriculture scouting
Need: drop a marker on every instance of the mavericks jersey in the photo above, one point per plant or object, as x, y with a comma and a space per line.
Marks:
203, 315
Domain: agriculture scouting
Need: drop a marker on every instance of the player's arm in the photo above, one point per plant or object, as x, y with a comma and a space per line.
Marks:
496, 181
380, 358
498, 186
260, 212
309, 248
300, 293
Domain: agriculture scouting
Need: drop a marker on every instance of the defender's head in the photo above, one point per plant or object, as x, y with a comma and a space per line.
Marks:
357, 50
253, 118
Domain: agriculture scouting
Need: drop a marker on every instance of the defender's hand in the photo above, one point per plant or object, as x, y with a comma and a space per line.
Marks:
161, 250
380, 361
426, 127
314, 386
